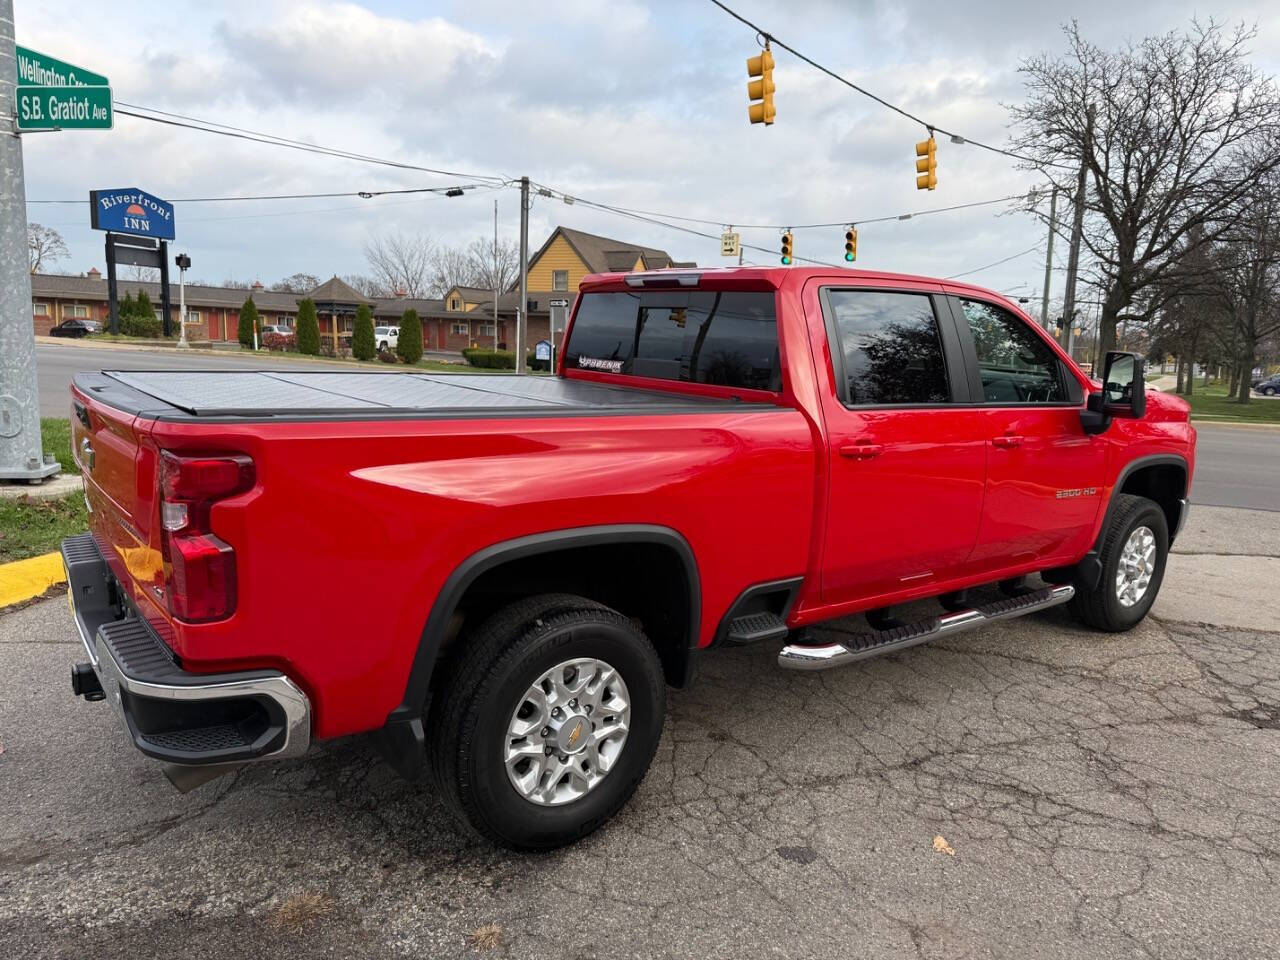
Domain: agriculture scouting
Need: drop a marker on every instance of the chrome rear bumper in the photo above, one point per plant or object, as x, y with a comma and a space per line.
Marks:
169, 713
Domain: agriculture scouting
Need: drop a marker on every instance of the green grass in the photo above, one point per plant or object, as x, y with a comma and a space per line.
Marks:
56, 435
1212, 403
30, 527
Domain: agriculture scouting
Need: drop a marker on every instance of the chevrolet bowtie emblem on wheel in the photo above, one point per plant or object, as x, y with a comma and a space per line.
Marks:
573, 737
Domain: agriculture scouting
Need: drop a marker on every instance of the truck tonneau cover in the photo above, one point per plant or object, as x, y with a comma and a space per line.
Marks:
257, 394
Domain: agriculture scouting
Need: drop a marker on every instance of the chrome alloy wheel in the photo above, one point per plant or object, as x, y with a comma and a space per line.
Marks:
567, 732
1137, 564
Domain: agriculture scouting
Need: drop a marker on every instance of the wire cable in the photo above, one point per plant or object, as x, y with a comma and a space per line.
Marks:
178, 120
931, 127
965, 273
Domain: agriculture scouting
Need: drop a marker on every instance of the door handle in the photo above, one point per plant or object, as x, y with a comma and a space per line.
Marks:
1008, 440
861, 451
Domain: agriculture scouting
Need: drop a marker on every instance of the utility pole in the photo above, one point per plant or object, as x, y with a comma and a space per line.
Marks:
495, 274
522, 327
1077, 230
21, 456
1048, 258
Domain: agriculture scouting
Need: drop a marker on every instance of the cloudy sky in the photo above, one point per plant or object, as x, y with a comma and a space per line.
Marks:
635, 104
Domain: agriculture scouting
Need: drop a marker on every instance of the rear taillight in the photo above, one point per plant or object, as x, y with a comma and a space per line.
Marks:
201, 567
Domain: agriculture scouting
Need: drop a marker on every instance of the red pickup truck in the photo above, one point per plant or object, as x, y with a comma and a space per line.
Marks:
499, 576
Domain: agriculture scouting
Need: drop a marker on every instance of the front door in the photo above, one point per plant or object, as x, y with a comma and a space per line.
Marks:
1044, 473
907, 459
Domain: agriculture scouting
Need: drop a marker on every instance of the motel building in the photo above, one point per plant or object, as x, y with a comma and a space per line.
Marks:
463, 317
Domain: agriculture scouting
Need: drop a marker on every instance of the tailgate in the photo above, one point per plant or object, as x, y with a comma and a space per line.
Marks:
119, 466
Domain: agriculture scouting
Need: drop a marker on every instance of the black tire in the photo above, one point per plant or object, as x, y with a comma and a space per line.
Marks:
1100, 607
382, 346
469, 718
1268, 391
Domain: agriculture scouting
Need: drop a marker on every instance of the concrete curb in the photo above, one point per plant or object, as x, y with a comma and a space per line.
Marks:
25, 579
52, 489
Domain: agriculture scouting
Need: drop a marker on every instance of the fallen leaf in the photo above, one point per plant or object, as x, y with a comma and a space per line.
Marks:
488, 937
296, 912
940, 844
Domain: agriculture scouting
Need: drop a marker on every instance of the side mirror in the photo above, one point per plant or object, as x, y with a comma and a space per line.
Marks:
1124, 387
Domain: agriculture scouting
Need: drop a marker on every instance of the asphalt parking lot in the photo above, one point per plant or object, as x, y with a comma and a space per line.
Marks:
1034, 790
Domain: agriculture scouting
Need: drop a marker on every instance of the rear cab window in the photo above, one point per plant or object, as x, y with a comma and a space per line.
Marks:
718, 338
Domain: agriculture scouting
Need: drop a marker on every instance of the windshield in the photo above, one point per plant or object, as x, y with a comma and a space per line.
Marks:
724, 338
381, 330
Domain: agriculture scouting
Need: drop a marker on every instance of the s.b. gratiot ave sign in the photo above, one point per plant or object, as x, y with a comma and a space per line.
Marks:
132, 211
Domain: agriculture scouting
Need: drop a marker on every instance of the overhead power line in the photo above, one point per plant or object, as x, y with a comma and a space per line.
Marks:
965, 273
240, 133
363, 194
931, 127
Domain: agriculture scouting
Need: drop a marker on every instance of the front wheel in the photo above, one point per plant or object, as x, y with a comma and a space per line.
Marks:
1133, 551
1268, 391
550, 720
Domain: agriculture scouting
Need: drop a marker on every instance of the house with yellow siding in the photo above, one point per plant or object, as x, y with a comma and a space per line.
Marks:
569, 255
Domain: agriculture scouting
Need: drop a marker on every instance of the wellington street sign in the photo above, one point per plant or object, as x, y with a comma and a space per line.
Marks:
55, 95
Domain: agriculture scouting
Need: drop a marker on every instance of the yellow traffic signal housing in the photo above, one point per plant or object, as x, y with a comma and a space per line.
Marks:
760, 90
927, 164
788, 243
851, 244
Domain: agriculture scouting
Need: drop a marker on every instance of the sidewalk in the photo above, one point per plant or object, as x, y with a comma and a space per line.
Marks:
205, 348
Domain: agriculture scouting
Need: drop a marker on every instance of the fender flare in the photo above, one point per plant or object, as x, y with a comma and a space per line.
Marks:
1089, 570
402, 738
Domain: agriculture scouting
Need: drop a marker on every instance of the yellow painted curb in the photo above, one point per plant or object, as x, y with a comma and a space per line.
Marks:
24, 579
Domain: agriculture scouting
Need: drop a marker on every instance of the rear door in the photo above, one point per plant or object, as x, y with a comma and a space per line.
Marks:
1044, 473
907, 457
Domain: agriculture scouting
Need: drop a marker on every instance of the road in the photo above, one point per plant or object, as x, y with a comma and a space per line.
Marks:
1236, 466
1031, 790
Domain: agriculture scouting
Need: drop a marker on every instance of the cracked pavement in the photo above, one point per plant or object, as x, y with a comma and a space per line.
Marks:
1104, 796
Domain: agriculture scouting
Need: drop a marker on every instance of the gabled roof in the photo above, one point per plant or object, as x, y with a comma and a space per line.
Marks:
472, 294
337, 290
603, 254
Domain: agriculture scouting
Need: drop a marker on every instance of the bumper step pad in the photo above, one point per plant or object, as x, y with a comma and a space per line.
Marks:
754, 627
873, 643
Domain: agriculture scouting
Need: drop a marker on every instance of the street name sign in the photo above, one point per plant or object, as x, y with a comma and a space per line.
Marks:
55, 95
132, 211
64, 108
41, 70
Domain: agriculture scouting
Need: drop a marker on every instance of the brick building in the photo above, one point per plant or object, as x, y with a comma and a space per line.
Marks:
462, 317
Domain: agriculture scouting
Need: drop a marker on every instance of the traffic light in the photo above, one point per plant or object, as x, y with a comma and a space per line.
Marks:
788, 242
927, 164
851, 244
760, 90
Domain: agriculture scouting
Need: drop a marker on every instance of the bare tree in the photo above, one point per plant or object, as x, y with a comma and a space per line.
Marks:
451, 267
1169, 131
1250, 276
366, 285
140, 274
44, 247
297, 283
400, 261
494, 266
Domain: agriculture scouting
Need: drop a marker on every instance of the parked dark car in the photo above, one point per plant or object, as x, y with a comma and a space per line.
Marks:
1270, 386
77, 327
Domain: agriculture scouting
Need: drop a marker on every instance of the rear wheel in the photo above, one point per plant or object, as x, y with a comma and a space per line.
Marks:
549, 722
382, 345
1133, 551
1268, 391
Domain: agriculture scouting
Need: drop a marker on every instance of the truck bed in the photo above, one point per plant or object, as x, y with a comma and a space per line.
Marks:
291, 394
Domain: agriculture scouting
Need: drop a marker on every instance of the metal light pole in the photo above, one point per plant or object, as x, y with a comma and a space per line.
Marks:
21, 456
183, 262
521, 310
494, 278
1048, 258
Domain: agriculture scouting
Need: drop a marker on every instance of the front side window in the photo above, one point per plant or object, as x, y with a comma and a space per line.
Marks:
1016, 366
727, 339
559, 279
890, 348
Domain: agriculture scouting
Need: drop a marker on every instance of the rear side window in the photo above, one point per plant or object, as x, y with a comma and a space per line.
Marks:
890, 347
726, 339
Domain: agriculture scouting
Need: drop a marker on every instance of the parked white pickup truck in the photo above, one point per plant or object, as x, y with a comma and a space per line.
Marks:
386, 337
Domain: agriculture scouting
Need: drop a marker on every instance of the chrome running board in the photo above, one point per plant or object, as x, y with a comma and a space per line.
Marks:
873, 643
